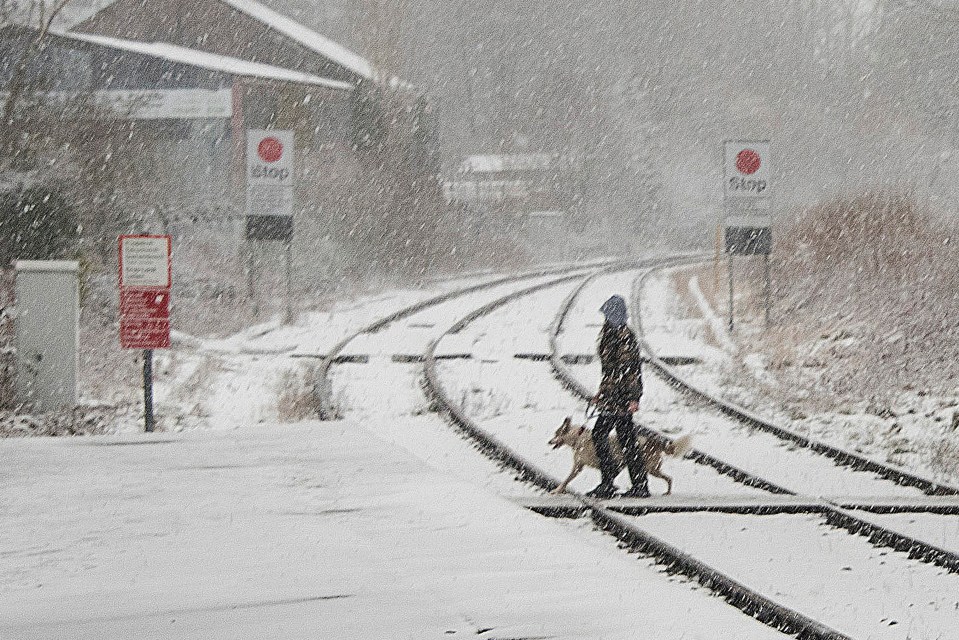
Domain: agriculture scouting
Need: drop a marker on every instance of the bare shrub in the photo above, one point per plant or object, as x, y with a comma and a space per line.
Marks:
296, 400
871, 281
81, 421
944, 457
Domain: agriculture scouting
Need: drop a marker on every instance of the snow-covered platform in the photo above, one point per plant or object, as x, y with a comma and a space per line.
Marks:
306, 531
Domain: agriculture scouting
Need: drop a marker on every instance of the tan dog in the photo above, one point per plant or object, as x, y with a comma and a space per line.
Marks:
580, 439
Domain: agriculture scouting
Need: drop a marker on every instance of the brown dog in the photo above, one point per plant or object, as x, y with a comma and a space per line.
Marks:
580, 439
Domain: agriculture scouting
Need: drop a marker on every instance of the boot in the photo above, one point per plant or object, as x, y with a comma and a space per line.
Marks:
637, 491
602, 491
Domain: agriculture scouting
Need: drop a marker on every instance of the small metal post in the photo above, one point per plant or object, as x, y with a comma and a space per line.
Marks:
731, 322
289, 282
148, 390
768, 290
251, 276
716, 258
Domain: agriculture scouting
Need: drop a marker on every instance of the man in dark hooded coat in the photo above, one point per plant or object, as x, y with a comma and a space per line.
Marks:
617, 400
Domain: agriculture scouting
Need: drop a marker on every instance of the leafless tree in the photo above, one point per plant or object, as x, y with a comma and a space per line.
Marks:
384, 27
39, 15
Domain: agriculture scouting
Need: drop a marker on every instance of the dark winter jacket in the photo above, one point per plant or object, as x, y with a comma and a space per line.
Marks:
622, 369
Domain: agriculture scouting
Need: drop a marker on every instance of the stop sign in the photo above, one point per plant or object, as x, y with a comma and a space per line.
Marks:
746, 171
748, 161
269, 158
270, 149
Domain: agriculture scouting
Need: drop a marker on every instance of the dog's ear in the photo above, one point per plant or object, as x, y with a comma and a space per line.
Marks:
582, 430
568, 422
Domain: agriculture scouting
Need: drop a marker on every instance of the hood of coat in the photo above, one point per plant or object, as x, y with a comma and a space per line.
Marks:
615, 311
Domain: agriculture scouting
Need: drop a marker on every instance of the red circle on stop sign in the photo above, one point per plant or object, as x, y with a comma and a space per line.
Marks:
748, 162
270, 149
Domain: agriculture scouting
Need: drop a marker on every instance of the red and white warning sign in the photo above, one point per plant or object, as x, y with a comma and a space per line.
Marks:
269, 172
269, 158
746, 170
145, 281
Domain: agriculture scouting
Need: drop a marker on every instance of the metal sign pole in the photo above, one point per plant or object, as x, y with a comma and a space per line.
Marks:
250, 290
731, 315
716, 258
289, 281
768, 290
148, 390
251, 276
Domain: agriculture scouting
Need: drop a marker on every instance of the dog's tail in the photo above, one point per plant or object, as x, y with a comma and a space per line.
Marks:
678, 447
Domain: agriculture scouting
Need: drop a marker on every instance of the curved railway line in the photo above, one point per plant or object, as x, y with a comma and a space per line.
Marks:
835, 514
618, 518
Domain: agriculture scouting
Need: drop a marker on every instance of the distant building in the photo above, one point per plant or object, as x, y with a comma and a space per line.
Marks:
518, 184
198, 100
248, 30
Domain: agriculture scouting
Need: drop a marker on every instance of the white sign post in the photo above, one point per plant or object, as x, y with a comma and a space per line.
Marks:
747, 189
270, 180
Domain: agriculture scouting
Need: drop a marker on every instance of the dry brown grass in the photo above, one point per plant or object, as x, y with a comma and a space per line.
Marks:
944, 456
296, 400
873, 281
865, 304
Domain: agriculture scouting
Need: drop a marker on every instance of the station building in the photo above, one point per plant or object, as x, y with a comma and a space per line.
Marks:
196, 75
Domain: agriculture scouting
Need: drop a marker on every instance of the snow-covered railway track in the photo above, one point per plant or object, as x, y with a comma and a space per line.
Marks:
630, 535
831, 562
771, 459
790, 605
323, 389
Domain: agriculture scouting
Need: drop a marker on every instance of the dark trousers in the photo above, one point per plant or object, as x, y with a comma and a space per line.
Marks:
626, 433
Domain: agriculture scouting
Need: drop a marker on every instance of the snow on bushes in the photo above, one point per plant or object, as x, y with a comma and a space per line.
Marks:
876, 279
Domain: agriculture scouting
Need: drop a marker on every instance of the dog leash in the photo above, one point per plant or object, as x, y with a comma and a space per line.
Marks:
590, 416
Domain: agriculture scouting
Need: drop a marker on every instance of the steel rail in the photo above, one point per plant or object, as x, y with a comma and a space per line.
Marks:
751, 602
322, 387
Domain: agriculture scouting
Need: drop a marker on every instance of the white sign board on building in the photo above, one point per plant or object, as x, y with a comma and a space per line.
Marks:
269, 173
175, 104
746, 169
148, 104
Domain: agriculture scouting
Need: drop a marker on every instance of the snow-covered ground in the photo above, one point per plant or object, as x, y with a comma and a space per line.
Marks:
317, 530
388, 524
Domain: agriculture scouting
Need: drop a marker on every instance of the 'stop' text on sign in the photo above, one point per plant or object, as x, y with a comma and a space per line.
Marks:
269, 158
145, 261
746, 172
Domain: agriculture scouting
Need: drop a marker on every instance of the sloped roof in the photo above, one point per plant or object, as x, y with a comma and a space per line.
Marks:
202, 59
305, 36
